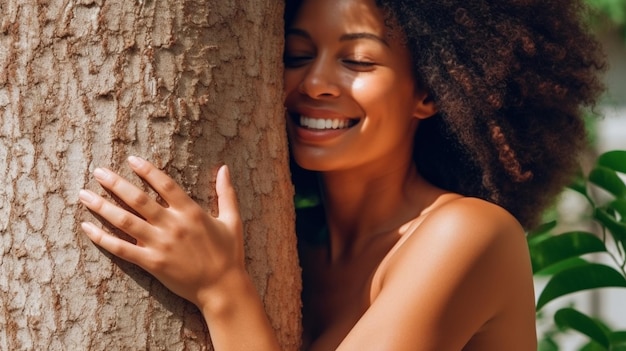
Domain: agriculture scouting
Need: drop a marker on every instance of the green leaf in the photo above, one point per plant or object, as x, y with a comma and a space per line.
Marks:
619, 206
573, 319
537, 238
579, 278
618, 338
548, 252
615, 160
543, 228
617, 229
547, 344
561, 266
579, 185
593, 346
608, 180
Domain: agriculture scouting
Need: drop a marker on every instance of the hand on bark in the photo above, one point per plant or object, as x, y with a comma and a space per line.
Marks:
183, 246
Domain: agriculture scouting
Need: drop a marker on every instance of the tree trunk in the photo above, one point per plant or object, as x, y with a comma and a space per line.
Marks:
186, 84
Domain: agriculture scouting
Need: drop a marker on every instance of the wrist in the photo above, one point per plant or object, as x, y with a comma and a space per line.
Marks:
223, 299
235, 315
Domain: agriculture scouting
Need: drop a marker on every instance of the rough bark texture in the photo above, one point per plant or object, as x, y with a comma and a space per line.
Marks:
85, 83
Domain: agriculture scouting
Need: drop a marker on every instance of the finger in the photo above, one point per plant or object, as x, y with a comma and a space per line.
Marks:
163, 184
227, 198
118, 247
131, 195
120, 218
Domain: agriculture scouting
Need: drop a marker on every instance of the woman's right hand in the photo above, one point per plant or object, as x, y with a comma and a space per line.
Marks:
191, 252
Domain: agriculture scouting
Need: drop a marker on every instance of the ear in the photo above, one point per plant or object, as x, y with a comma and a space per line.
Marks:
424, 106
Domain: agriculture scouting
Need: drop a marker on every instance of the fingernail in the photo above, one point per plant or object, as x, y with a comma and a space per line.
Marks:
87, 227
135, 161
85, 196
100, 174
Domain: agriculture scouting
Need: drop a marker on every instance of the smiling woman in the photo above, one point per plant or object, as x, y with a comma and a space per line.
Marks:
357, 74
429, 128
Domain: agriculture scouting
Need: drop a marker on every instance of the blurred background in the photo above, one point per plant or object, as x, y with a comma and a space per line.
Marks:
608, 132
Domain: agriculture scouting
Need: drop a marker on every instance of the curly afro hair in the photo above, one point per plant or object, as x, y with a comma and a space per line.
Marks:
511, 79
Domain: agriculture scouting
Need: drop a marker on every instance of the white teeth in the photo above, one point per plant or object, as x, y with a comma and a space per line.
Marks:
320, 123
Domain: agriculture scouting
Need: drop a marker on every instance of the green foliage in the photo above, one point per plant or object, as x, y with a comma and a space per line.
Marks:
561, 256
578, 278
555, 249
612, 12
570, 318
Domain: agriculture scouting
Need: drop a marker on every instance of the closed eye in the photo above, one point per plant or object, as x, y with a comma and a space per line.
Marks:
296, 60
358, 65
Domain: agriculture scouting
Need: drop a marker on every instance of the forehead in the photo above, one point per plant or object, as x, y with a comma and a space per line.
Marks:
347, 15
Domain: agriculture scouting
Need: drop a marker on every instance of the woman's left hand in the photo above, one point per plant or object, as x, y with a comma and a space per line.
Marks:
183, 246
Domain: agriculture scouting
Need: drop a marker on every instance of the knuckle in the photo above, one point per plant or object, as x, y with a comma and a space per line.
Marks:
196, 214
177, 234
155, 263
97, 205
168, 185
97, 236
114, 181
125, 221
138, 200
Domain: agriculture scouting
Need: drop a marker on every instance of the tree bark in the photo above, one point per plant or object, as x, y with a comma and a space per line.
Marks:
186, 84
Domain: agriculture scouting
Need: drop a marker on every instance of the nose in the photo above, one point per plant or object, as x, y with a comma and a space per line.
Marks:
321, 79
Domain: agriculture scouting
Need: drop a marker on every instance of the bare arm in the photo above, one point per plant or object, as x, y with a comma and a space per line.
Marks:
197, 256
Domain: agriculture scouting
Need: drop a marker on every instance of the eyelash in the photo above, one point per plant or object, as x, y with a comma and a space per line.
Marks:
297, 61
360, 63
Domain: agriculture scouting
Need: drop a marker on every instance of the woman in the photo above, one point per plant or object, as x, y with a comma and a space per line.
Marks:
427, 125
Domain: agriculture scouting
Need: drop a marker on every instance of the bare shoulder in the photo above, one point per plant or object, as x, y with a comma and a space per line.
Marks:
462, 278
465, 228
463, 235
472, 215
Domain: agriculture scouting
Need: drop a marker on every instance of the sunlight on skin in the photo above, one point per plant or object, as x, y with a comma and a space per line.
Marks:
343, 62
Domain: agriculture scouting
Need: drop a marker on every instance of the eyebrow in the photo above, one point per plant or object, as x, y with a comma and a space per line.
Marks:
363, 35
345, 37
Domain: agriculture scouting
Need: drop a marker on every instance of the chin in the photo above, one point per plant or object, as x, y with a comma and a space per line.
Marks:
311, 163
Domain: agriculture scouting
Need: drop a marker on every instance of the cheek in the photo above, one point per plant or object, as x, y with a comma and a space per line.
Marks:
385, 96
377, 90
358, 85
290, 80
290, 87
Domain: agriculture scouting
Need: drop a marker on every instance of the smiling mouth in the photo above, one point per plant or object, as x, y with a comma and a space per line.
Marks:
325, 123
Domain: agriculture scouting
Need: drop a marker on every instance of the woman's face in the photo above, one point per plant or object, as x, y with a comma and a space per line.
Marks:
350, 93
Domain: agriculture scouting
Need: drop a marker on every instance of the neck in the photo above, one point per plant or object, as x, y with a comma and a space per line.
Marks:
362, 205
